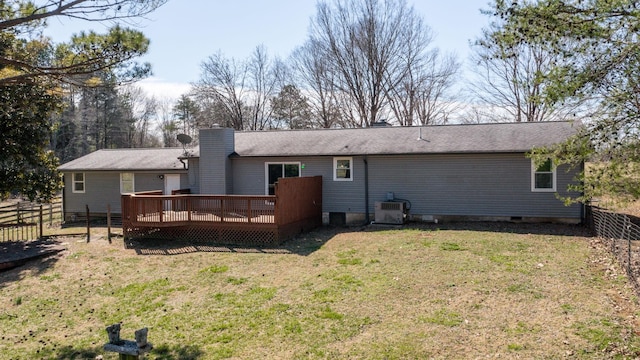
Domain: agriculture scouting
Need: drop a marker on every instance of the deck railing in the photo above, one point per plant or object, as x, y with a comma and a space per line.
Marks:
296, 207
175, 210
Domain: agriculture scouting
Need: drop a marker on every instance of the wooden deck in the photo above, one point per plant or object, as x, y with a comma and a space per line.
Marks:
228, 219
186, 217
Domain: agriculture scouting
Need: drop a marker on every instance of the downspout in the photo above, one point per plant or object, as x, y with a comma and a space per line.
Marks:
64, 202
184, 165
366, 191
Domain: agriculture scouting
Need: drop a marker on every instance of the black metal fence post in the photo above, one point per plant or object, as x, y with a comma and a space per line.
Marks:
88, 224
109, 223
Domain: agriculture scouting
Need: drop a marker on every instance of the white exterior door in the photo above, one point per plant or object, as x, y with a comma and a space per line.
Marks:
171, 182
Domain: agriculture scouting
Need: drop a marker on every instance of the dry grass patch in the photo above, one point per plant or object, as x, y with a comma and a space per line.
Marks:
631, 208
508, 290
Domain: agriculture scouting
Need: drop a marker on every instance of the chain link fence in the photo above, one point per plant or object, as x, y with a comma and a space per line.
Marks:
621, 233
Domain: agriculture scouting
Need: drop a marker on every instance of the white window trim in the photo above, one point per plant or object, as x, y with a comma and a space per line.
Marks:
533, 178
74, 182
133, 180
335, 168
266, 171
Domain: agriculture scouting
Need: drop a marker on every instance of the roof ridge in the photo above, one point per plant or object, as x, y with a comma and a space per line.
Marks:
516, 123
142, 148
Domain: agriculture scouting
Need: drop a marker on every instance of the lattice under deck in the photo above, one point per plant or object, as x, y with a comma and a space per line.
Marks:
209, 234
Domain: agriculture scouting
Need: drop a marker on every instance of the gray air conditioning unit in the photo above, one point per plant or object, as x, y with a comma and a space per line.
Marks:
390, 212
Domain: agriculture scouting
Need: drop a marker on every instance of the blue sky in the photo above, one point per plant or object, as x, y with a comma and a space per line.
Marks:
184, 33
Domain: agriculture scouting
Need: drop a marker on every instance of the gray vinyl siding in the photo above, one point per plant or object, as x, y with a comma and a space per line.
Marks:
344, 196
194, 171
339, 196
249, 176
103, 188
457, 185
467, 185
148, 182
152, 181
215, 165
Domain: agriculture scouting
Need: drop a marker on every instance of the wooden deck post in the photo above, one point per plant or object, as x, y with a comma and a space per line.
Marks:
88, 224
40, 223
188, 199
222, 210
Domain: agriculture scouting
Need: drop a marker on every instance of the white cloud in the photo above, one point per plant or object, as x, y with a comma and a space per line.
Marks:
161, 89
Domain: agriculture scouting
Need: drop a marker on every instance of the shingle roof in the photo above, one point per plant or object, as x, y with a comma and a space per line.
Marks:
445, 139
476, 138
128, 159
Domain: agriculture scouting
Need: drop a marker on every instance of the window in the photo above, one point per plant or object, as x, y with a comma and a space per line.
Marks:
279, 170
342, 169
126, 183
77, 182
543, 176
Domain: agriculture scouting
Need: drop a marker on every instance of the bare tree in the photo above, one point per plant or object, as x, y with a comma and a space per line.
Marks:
356, 37
378, 51
243, 88
141, 109
21, 14
434, 101
223, 81
264, 74
145, 137
167, 123
472, 114
313, 70
421, 98
212, 111
511, 79
402, 94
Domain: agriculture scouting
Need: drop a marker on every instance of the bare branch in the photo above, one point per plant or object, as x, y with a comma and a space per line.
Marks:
90, 10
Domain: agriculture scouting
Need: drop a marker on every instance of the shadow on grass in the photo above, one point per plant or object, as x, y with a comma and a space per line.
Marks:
162, 352
505, 227
70, 353
303, 244
19, 257
175, 352
308, 243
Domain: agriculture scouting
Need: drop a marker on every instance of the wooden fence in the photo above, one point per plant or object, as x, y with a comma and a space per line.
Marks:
24, 220
26, 211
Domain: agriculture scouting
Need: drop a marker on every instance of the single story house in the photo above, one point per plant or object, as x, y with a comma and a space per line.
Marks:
97, 180
475, 172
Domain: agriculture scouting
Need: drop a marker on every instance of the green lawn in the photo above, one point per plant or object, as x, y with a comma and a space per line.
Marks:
527, 291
